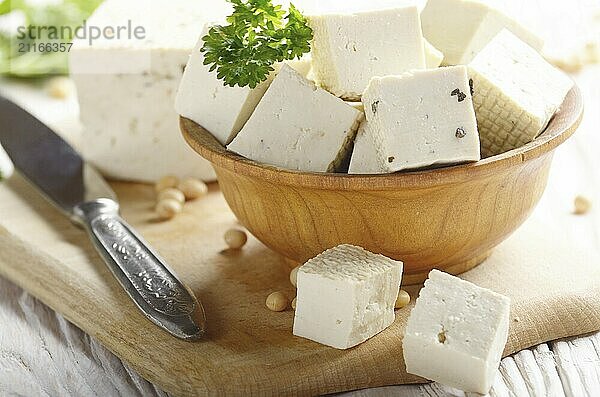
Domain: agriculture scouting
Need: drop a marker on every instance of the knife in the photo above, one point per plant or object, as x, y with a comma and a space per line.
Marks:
79, 192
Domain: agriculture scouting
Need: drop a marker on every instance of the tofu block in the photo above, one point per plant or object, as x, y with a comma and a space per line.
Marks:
461, 28
222, 110
350, 49
126, 89
456, 333
516, 93
433, 56
204, 99
6, 166
422, 118
365, 159
346, 295
299, 126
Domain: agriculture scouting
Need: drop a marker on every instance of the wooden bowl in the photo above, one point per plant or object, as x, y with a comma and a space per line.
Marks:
447, 218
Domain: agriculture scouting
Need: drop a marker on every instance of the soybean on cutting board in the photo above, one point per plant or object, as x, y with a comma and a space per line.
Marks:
555, 291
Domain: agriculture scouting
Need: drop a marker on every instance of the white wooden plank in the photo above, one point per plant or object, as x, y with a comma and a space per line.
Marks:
41, 354
499, 388
578, 366
544, 358
596, 343
588, 363
512, 377
437, 390
406, 391
531, 373
569, 375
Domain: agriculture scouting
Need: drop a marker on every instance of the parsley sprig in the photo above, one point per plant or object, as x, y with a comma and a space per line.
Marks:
259, 35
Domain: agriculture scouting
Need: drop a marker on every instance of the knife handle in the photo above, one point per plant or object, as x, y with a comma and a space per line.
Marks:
145, 277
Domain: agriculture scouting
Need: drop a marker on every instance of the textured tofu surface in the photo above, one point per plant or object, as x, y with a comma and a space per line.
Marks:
346, 295
461, 28
126, 91
516, 93
349, 49
422, 118
433, 56
365, 159
298, 126
456, 333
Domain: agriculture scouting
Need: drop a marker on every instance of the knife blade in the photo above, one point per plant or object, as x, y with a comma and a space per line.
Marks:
78, 191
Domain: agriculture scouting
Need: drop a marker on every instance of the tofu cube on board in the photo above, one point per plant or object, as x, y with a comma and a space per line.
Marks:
346, 295
433, 56
516, 93
461, 28
349, 49
222, 110
456, 333
421, 118
299, 126
126, 89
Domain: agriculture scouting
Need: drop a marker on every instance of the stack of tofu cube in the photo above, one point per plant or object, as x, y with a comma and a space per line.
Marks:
387, 89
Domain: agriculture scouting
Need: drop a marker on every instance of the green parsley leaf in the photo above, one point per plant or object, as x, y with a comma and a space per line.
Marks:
259, 35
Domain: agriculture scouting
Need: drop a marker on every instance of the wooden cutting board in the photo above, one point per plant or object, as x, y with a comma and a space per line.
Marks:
554, 287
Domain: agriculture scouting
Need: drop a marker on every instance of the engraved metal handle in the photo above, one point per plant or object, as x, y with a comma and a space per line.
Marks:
145, 277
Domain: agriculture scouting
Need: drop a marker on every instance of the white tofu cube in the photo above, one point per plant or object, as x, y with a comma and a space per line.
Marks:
422, 118
298, 126
433, 56
346, 295
222, 110
456, 333
350, 49
365, 159
205, 99
6, 166
461, 28
516, 93
126, 88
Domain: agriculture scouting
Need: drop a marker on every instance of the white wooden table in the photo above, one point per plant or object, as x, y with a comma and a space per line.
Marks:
41, 354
